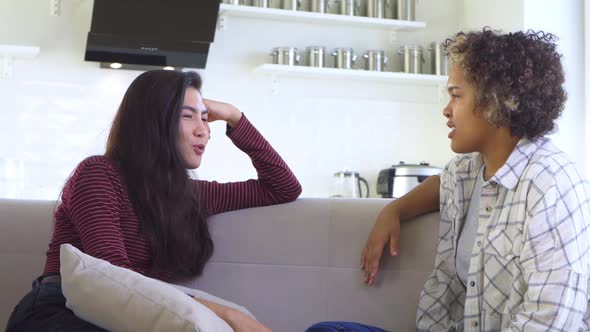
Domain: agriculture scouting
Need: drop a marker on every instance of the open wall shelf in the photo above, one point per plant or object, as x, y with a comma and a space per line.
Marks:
356, 74
227, 10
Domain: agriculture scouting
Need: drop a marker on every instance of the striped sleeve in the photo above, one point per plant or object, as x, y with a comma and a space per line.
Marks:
275, 184
94, 203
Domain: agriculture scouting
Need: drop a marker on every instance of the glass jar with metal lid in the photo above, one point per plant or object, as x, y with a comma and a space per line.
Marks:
316, 56
349, 7
412, 58
439, 59
285, 55
320, 6
344, 58
375, 60
291, 4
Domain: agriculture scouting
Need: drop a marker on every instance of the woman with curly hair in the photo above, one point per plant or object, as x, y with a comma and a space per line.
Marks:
514, 240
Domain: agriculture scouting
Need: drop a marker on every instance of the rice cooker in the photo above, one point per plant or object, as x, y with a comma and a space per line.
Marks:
399, 179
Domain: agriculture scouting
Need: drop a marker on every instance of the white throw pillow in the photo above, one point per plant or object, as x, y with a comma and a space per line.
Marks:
118, 299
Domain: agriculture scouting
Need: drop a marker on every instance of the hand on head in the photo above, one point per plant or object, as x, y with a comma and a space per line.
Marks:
222, 111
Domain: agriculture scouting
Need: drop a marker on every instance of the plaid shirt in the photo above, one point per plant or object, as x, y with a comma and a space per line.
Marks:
530, 263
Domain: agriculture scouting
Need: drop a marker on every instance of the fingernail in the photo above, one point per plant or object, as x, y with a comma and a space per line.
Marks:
394, 253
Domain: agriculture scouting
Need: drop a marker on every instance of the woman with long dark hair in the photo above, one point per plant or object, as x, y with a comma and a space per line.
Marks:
136, 206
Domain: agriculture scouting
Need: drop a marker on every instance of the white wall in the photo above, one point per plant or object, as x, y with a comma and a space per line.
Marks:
567, 22
57, 109
505, 15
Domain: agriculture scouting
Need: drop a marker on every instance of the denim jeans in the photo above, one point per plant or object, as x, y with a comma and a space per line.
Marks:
342, 327
43, 309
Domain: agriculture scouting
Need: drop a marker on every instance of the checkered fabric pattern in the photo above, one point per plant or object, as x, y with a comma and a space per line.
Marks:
530, 264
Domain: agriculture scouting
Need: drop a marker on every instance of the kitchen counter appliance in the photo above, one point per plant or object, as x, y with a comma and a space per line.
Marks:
399, 179
348, 184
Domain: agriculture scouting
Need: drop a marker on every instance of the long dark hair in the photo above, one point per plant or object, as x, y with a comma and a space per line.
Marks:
143, 142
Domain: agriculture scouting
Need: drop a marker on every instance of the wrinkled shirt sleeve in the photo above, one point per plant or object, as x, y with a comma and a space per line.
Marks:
554, 257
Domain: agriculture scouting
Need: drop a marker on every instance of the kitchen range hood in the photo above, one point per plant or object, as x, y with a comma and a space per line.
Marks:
152, 32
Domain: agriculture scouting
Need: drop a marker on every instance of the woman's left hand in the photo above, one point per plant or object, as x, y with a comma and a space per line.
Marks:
222, 111
237, 320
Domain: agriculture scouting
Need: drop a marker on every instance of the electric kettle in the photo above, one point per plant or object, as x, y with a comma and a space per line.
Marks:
348, 184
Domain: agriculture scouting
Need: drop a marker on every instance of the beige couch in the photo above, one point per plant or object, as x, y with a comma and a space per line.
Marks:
291, 265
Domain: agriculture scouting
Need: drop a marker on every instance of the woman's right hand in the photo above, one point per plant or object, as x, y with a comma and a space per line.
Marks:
422, 199
386, 229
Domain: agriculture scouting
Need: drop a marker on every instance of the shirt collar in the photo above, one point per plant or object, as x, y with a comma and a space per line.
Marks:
509, 174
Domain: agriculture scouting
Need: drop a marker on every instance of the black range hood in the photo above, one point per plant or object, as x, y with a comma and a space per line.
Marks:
159, 33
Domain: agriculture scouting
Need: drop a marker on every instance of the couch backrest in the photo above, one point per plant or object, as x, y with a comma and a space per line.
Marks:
299, 263
25, 231
291, 265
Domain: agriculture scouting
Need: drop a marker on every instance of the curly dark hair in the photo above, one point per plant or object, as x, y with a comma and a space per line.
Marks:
518, 78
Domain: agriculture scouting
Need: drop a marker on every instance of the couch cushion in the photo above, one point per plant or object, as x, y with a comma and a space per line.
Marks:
118, 299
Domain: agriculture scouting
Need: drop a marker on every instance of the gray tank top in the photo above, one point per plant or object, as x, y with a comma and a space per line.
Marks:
467, 235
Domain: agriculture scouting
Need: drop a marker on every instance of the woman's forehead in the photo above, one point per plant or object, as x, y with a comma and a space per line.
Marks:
192, 95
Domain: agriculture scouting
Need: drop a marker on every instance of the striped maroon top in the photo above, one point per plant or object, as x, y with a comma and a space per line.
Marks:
96, 216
